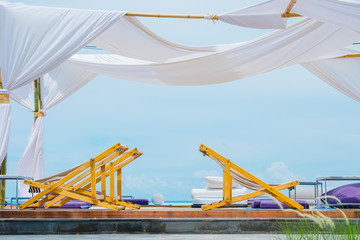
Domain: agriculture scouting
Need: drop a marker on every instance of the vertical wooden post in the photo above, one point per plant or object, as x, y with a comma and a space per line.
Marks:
103, 181
112, 182
118, 183
228, 181
2, 172
93, 179
224, 185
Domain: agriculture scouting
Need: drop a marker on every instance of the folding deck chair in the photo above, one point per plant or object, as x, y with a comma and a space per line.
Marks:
80, 182
246, 179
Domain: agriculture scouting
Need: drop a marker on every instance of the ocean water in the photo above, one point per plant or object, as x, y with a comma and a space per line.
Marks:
176, 203
144, 237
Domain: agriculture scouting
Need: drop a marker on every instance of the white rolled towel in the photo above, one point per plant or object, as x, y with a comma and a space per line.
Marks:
217, 183
215, 193
303, 193
203, 201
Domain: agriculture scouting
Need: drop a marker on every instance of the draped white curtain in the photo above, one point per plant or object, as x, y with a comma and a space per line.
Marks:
33, 152
266, 15
130, 38
345, 13
5, 118
341, 73
55, 87
34, 40
302, 42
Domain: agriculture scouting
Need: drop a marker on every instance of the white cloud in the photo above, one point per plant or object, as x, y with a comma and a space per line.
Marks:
201, 174
279, 171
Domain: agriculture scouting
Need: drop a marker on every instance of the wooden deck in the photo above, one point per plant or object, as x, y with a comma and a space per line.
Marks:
175, 212
175, 220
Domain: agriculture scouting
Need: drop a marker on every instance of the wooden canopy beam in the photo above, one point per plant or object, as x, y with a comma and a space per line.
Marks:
289, 15
164, 15
350, 56
190, 16
288, 12
290, 6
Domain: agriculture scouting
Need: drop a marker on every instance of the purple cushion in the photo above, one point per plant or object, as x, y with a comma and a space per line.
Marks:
74, 203
256, 203
272, 204
347, 194
143, 202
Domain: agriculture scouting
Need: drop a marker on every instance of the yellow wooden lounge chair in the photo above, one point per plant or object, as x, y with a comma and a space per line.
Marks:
246, 179
76, 182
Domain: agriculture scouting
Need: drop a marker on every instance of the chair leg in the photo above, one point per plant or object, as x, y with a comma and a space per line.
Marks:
253, 195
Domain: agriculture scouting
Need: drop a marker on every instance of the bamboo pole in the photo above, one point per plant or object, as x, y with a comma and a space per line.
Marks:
164, 15
350, 56
2, 172
37, 98
290, 6
197, 16
36, 106
288, 13
2, 184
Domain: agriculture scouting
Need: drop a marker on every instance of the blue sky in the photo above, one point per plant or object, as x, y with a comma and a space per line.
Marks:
283, 125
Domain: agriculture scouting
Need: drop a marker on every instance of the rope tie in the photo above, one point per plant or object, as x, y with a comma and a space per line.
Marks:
40, 113
212, 17
4, 98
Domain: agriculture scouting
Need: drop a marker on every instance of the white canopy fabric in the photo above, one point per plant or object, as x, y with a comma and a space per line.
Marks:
141, 43
5, 118
144, 56
300, 43
341, 73
345, 13
263, 16
63, 32
35, 154
55, 87
28, 50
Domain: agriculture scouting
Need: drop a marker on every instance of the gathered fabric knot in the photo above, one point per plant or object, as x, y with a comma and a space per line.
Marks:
40, 113
4, 96
212, 17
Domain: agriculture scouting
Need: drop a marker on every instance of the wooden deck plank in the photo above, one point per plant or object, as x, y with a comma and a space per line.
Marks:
166, 212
